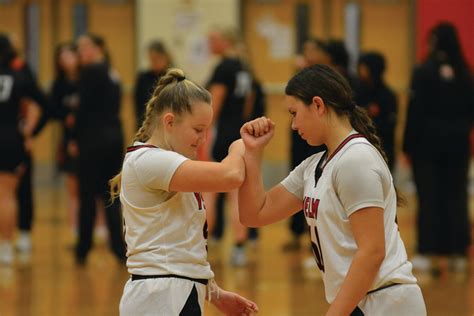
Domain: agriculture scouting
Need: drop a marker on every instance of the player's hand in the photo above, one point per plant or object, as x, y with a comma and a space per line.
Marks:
70, 121
405, 159
72, 148
256, 134
28, 144
232, 304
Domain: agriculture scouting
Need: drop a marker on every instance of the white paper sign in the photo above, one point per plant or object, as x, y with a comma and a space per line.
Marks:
279, 37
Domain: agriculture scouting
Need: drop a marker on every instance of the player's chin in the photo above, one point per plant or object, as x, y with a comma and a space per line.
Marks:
312, 142
193, 153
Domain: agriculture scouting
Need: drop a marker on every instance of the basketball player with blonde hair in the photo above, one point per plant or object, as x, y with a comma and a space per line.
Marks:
163, 210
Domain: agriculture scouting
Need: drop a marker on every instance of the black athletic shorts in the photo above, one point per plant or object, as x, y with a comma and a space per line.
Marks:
12, 150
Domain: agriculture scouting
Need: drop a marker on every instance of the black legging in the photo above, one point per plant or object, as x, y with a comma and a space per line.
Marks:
99, 160
25, 197
443, 221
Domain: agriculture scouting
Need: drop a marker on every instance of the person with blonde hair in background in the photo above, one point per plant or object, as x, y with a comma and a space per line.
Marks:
100, 144
314, 53
64, 99
159, 61
231, 87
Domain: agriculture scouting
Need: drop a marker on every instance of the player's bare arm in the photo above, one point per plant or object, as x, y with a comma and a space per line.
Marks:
257, 207
230, 303
205, 176
368, 229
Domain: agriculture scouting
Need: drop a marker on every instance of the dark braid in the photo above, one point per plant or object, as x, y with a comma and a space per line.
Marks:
362, 123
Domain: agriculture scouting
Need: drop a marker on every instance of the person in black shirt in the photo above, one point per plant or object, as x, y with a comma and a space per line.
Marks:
231, 87
314, 52
31, 118
439, 121
100, 143
15, 138
160, 61
64, 100
379, 100
339, 60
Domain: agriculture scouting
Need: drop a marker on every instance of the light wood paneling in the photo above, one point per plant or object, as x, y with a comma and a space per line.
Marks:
11, 22
393, 41
116, 23
64, 32
267, 68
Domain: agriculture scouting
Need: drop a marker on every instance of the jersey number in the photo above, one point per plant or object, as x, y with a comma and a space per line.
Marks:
6, 84
316, 246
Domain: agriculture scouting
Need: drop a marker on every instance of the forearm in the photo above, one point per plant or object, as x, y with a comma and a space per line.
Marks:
229, 303
357, 283
252, 192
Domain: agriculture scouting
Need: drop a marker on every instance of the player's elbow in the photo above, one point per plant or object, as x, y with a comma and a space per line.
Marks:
377, 254
248, 222
248, 216
373, 255
234, 179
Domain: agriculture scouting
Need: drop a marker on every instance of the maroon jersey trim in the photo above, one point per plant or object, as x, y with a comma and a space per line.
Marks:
344, 142
133, 148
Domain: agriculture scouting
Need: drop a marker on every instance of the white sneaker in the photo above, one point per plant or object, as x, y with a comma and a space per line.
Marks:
101, 233
23, 242
421, 263
238, 258
310, 263
6, 253
458, 264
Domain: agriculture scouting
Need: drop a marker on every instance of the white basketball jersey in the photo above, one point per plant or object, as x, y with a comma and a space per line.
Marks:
354, 177
165, 231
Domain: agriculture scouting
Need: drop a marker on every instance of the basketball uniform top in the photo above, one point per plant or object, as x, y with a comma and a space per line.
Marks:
165, 231
354, 177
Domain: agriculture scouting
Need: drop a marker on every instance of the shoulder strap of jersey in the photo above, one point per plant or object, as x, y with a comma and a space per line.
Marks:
133, 148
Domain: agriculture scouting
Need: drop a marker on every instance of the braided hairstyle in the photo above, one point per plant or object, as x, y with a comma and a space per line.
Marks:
333, 88
174, 93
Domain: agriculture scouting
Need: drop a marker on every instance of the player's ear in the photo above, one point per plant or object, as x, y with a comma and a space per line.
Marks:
168, 120
319, 105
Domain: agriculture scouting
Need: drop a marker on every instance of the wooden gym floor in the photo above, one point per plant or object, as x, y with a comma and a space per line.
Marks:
49, 283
